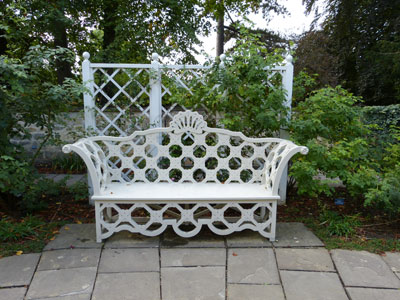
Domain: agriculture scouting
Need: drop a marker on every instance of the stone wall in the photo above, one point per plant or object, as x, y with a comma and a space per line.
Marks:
69, 130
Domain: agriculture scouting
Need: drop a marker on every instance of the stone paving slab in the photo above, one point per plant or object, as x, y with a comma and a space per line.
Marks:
205, 239
17, 270
295, 234
393, 260
72, 178
304, 259
252, 265
191, 257
300, 285
373, 294
126, 239
132, 286
69, 258
65, 282
254, 292
75, 236
247, 239
13, 293
364, 269
194, 283
73, 297
129, 260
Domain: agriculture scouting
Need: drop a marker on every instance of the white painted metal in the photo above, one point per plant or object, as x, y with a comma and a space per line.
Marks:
88, 101
191, 164
155, 93
113, 118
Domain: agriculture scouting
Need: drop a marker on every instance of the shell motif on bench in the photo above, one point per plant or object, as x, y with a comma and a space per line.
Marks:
185, 176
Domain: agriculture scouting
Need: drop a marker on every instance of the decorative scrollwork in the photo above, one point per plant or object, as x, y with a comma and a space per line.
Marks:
188, 121
122, 219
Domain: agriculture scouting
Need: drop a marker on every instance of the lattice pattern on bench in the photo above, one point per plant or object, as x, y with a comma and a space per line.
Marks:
186, 152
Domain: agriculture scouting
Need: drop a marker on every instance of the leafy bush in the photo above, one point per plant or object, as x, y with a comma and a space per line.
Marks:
22, 189
330, 125
337, 224
79, 190
385, 194
237, 91
15, 176
30, 95
69, 163
384, 116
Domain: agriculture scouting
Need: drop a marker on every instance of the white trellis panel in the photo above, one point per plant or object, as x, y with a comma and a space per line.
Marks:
123, 98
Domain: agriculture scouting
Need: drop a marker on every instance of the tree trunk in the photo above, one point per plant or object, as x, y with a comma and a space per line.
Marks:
220, 35
109, 24
58, 27
60, 40
3, 42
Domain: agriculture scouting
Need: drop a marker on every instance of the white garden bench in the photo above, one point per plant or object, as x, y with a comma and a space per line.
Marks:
186, 175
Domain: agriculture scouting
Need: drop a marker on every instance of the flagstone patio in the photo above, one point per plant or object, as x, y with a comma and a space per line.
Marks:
237, 267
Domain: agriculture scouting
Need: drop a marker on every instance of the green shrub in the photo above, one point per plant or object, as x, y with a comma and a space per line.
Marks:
69, 163
384, 116
330, 124
79, 190
15, 176
337, 224
21, 187
385, 194
237, 92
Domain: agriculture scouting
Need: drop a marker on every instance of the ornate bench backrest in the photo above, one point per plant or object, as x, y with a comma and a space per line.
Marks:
189, 151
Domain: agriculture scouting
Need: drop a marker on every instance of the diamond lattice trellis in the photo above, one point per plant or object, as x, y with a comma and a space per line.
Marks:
124, 98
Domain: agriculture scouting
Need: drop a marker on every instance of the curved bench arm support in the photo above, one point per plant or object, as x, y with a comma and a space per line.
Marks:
95, 161
276, 162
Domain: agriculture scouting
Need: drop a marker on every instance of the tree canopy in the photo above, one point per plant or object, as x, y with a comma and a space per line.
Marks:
364, 36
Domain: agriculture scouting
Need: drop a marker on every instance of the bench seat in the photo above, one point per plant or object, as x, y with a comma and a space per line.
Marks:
185, 192
185, 176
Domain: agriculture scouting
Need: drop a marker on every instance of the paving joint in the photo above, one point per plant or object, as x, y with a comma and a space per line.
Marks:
97, 271
246, 272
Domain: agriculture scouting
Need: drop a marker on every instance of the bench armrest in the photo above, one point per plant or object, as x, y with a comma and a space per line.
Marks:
277, 161
95, 161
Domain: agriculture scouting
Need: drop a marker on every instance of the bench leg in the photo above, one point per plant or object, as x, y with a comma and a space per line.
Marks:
272, 215
98, 224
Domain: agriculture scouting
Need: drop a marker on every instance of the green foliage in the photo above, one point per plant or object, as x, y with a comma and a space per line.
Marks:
330, 125
303, 85
79, 190
22, 189
337, 224
69, 163
363, 35
384, 116
364, 157
13, 231
30, 234
40, 192
15, 176
241, 86
354, 242
30, 95
385, 194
